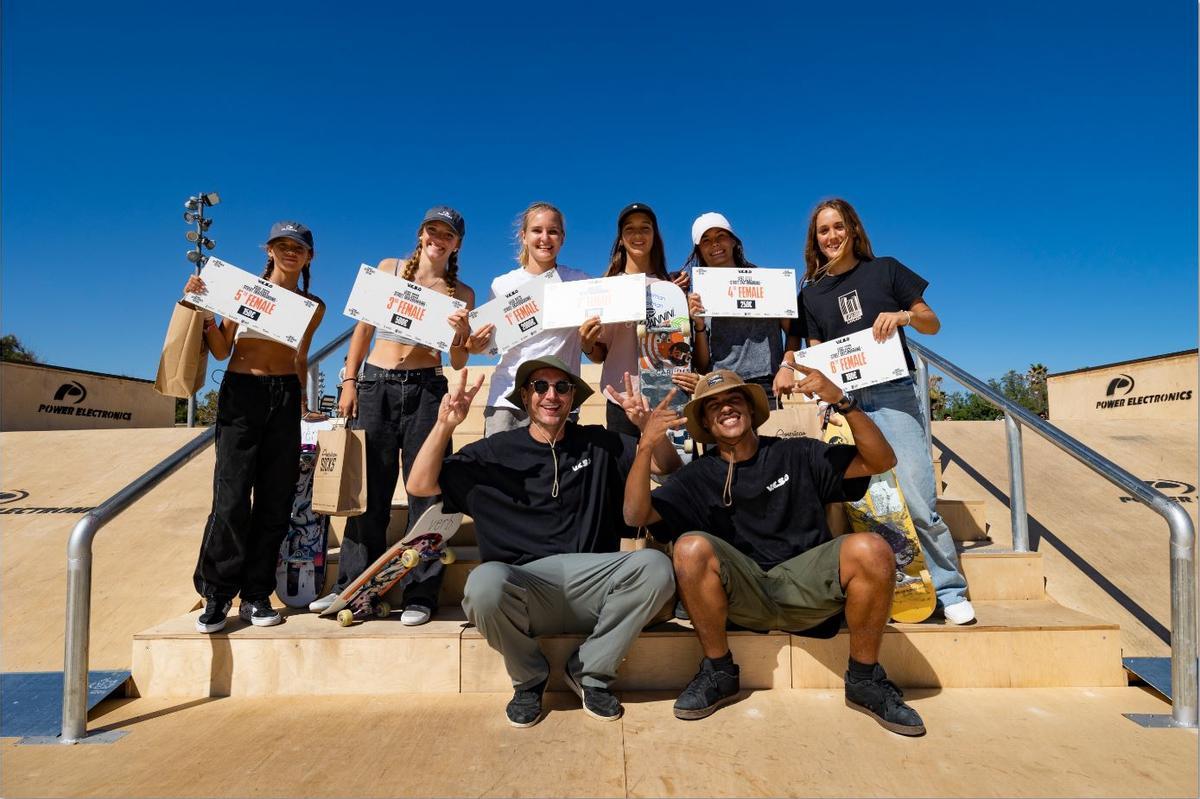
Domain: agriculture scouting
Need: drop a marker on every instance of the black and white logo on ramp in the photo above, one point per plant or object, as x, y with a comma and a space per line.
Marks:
12, 496
1119, 386
73, 391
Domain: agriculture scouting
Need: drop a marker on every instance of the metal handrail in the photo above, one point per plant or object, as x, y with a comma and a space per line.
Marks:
79, 563
1184, 685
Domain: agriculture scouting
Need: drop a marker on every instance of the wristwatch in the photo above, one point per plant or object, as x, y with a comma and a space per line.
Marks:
846, 404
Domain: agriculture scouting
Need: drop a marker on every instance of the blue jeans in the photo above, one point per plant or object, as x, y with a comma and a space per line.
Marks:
894, 409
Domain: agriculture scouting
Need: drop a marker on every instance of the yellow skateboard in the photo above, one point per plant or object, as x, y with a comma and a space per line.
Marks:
883, 510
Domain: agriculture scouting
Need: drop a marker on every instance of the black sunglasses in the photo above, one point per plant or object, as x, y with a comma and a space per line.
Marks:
560, 386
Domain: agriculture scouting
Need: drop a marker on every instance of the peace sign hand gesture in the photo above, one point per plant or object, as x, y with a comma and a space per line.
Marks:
456, 403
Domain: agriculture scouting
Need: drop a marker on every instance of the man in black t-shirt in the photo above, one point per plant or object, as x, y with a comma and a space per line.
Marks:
754, 547
546, 500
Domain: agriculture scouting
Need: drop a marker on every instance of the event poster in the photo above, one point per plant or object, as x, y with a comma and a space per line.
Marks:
857, 360
761, 293
254, 302
613, 299
391, 303
517, 314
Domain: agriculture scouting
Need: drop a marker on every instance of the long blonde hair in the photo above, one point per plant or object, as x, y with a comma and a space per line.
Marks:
522, 225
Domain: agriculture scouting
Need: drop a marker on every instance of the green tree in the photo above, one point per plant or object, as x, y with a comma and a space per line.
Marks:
11, 349
937, 397
206, 409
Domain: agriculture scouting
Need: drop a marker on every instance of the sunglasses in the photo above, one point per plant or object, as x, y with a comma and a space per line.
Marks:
560, 386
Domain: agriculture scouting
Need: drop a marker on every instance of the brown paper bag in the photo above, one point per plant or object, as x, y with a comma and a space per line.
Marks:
340, 482
792, 420
183, 365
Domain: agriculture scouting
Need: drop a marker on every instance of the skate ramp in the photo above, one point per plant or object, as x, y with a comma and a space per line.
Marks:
1104, 554
143, 559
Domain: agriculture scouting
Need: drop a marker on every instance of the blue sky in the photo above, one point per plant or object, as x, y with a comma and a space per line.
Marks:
1036, 162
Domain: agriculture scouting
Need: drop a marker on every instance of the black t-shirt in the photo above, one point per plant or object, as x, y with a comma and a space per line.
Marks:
779, 497
504, 482
837, 305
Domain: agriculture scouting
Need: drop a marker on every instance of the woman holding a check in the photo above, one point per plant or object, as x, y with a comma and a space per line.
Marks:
258, 445
637, 249
847, 290
395, 399
751, 348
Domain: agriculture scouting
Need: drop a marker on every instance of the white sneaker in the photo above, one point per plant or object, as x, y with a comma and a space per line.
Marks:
321, 605
959, 612
414, 615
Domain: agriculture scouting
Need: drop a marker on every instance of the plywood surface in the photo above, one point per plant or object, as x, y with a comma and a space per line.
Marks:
981, 742
1103, 556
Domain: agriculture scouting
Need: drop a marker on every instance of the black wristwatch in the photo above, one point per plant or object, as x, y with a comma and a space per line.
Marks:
846, 404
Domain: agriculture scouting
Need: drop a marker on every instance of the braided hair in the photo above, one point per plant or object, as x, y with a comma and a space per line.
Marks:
304, 275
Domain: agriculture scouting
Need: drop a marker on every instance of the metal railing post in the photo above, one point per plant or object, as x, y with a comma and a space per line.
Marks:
313, 389
923, 400
1184, 685
1016, 485
191, 413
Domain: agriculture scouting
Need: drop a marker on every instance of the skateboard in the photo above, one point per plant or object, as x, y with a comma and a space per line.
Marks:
883, 510
665, 348
300, 570
424, 544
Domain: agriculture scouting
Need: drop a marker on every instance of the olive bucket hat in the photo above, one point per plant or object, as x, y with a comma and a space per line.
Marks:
714, 383
582, 389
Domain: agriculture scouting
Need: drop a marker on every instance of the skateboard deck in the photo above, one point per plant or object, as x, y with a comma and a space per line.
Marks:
665, 348
883, 510
300, 570
424, 543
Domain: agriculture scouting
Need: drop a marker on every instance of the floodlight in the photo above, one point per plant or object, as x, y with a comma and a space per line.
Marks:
192, 236
205, 223
192, 203
208, 243
194, 256
189, 217
212, 198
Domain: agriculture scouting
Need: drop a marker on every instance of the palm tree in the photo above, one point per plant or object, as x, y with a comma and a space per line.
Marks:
1036, 378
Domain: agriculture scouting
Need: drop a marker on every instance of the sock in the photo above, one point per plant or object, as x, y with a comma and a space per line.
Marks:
723, 663
860, 671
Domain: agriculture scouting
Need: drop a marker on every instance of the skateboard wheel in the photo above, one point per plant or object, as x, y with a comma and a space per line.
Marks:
383, 610
447, 557
345, 617
410, 558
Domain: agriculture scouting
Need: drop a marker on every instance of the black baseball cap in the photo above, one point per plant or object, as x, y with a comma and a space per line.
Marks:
636, 208
444, 213
291, 230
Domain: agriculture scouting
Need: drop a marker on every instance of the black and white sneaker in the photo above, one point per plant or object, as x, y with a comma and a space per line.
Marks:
880, 699
212, 620
525, 708
599, 703
259, 612
711, 689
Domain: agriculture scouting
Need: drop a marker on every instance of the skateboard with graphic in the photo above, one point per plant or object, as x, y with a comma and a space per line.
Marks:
883, 510
424, 545
300, 570
665, 348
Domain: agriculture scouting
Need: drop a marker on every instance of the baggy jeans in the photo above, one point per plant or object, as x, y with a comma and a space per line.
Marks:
258, 452
894, 409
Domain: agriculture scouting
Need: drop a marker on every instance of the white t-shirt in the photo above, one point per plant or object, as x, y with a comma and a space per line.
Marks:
562, 343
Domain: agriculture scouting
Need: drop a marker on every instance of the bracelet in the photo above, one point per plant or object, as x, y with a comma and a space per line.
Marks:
846, 404
349, 380
909, 322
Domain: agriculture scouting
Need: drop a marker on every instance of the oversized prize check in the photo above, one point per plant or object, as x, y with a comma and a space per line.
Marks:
517, 314
765, 293
389, 302
857, 360
613, 299
254, 302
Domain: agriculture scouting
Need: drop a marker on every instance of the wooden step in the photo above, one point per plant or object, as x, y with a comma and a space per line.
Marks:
990, 575
1013, 643
966, 518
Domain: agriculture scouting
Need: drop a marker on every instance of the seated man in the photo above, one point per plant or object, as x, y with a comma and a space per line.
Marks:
546, 500
755, 547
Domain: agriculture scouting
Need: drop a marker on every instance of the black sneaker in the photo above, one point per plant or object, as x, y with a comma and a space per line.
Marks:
599, 703
710, 689
259, 612
525, 708
212, 620
879, 698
